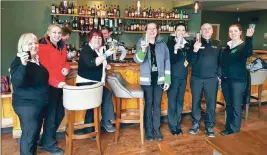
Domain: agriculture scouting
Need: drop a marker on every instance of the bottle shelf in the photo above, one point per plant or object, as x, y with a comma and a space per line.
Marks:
131, 32
170, 19
136, 32
76, 15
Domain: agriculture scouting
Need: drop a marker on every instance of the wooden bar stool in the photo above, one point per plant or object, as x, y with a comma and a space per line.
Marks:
82, 98
122, 89
257, 79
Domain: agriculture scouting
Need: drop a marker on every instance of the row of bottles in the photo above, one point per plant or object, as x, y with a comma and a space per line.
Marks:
86, 24
101, 10
140, 26
155, 13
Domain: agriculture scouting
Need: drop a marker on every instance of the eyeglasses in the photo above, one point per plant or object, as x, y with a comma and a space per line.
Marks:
97, 37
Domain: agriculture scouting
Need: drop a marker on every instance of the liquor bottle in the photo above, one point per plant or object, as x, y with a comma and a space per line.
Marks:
133, 11
106, 21
72, 8
181, 15
69, 9
118, 11
53, 7
102, 21
75, 10
93, 11
150, 13
73, 23
110, 23
114, 11
57, 9
98, 12
96, 22
87, 21
126, 12
83, 10
184, 15
61, 7
144, 13
86, 10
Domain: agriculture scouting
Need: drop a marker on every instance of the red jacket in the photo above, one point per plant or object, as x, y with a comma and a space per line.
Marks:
54, 60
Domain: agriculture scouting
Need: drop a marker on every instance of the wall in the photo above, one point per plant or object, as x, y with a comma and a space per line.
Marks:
261, 26
19, 17
225, 19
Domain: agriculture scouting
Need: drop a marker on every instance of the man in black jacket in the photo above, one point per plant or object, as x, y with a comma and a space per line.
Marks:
205, 76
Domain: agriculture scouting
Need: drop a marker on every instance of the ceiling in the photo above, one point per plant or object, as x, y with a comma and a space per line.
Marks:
231, 6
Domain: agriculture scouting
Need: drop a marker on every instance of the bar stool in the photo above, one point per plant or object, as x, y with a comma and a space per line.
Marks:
82, 98
257, 79
122, 89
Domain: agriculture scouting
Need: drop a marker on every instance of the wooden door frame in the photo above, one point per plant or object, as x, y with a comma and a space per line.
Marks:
218, 30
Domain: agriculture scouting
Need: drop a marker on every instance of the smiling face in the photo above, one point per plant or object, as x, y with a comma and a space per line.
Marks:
234, 33
33, 47
106, 34
55, 34
96, 41
206, 31
152, 31
180, 31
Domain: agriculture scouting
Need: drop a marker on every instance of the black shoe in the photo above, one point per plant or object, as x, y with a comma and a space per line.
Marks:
194, 129
93, 138
149, 137
226, 132
158, 135
40, 144
179, 132
108, 126
174, 132
55, 151
210, 132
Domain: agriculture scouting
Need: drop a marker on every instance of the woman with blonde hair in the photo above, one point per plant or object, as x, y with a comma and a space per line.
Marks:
53, 55
30, 84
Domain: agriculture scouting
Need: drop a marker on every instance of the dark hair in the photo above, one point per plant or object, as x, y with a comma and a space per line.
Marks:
66, 31
180, 24
106, 28
95, 32
240, 29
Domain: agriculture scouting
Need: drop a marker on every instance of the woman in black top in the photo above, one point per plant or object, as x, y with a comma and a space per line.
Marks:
91, 69
30, 83
179, 50
234, 81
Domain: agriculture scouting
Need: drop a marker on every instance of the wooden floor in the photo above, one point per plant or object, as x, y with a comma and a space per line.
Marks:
129, 142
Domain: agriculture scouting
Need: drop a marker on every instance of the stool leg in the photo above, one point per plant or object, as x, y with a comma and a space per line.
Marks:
69, 142
259, 98
247, 107
97, 128
118, 117
141, 108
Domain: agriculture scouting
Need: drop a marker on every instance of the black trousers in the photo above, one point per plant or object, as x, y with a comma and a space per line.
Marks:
29, 113
153, 95
176, 102
107, 108
54, 114
210, 88
233, 92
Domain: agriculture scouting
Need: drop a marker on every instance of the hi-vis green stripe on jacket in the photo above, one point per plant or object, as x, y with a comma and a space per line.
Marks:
163, 62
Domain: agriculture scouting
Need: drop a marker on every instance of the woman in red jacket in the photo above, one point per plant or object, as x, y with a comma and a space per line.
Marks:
53, 55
